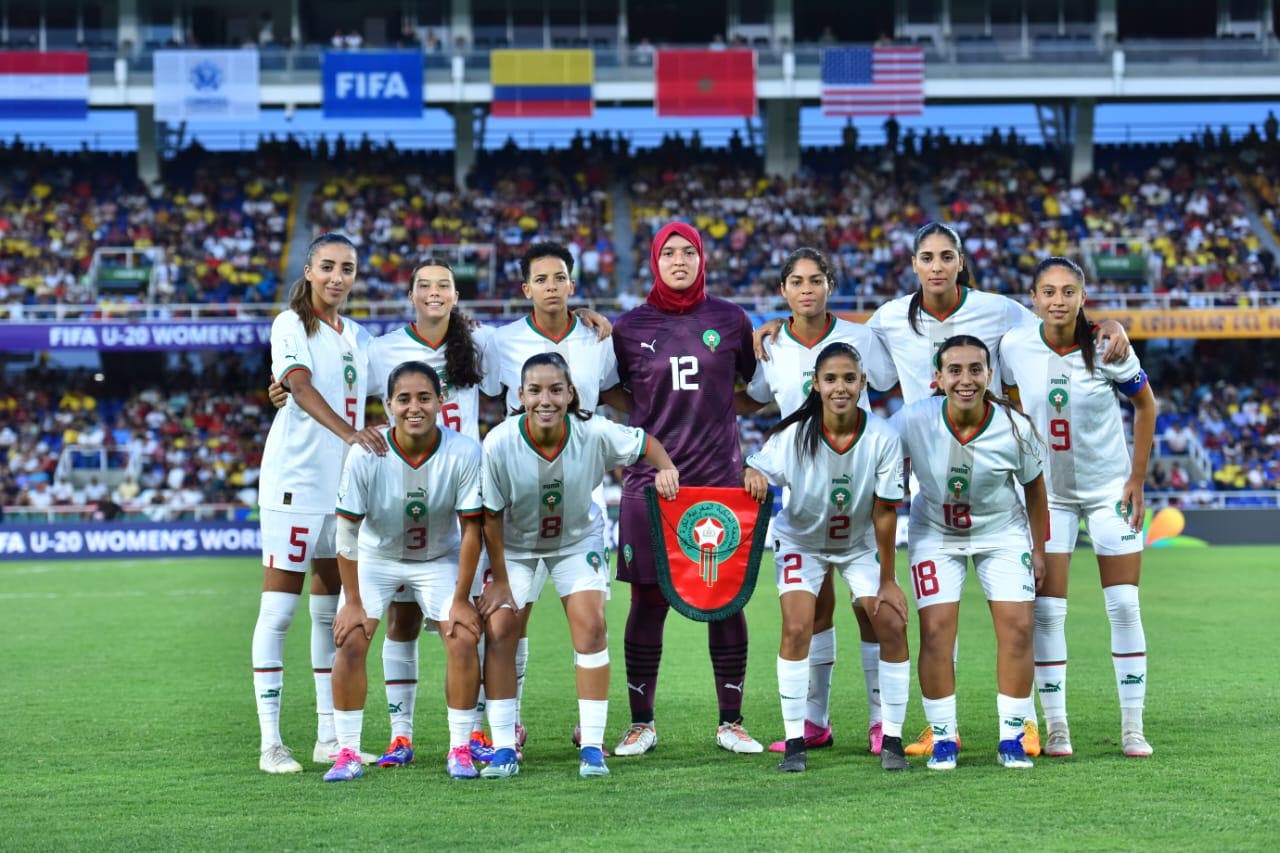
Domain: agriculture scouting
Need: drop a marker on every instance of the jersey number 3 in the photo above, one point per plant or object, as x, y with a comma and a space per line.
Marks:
684, 372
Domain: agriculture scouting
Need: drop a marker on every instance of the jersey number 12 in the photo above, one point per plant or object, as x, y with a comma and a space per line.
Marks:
684, 372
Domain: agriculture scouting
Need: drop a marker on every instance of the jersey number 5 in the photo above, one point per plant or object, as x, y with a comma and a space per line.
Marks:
684, 372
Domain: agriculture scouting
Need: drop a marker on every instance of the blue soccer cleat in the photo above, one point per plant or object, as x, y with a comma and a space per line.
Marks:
398, 754
503, 765
1012, 755
592, 763
944, 755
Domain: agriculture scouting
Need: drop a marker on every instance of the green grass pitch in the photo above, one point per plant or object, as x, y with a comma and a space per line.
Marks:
130, 723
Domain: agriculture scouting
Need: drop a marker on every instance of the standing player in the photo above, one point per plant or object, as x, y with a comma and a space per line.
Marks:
680, 356
970, 450
539, 472
785, 375
398, 525
1090, 476
322, 357
843, 469
551, 327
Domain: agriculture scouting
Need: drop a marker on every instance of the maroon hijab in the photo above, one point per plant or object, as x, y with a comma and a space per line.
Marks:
663, 296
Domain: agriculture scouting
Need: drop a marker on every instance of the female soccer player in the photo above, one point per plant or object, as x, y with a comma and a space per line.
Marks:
441, 337
969, 450
1071, 398
785, 375
680, 355
322, 357
539, 471
398, 525
843, 468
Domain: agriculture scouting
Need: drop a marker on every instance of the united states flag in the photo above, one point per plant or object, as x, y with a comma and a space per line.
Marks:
872, 81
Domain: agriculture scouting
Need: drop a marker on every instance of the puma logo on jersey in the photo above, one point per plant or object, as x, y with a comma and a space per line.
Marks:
650, 346
638, 688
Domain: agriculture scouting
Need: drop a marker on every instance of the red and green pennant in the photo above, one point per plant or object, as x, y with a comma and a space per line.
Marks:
707, 545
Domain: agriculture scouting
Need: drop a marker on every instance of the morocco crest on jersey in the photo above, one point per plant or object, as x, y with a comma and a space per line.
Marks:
707, 545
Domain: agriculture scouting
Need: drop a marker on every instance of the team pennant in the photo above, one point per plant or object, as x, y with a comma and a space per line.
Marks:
707, 545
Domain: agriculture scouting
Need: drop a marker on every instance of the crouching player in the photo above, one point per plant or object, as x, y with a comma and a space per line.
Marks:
398, 524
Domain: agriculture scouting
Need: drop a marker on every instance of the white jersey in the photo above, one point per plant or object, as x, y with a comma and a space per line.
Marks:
788, 374
831, 495
460, 409
410, 507
968, 500
302, 460
548, 499
985, 316
1076, 412
591, 360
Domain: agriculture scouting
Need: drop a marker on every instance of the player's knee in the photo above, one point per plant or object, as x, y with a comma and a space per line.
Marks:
795, 640
502, 629
648, 595
354, 649
1122, 605
937, 635
1050, 613
888, 623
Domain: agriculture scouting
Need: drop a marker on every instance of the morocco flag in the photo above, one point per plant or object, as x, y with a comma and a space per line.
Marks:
705, 83
707, 545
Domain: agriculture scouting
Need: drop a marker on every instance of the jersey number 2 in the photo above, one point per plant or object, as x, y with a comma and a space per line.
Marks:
684, 372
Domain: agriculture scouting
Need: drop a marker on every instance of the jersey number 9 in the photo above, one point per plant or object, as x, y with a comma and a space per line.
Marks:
1060, 430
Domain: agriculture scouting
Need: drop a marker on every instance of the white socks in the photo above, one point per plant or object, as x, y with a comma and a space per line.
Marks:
593, 714
871, 676
793, 679
1128, 645
822, 659
895, 685
1051, 658
941, 714
323, 609
400, 668
275, 614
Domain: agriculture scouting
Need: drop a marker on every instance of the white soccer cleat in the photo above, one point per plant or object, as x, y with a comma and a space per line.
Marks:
1058, 742
639, 739
1134, 744
327, 750
277, 759
733, 737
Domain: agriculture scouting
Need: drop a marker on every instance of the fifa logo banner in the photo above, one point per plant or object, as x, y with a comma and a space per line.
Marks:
206, 85
707, 545
372, 84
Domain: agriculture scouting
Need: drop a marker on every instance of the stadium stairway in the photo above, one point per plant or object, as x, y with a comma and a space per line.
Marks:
300, 228
1266, 239
929, 201
623, 235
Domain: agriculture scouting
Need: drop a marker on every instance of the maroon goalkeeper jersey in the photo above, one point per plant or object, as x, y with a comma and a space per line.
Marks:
681, 370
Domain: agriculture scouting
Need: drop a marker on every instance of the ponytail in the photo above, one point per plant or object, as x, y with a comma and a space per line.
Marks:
461, 361
300, 294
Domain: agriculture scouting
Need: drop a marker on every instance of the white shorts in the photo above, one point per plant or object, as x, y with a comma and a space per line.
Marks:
1005, 575
483, 577
801, 570
1108, 529
291, 540
585, 569
430, 583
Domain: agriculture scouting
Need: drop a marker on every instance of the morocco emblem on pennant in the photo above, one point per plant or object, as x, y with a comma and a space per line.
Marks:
707, 546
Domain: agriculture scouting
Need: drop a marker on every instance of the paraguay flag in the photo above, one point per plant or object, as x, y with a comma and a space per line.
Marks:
44, 85
542, 83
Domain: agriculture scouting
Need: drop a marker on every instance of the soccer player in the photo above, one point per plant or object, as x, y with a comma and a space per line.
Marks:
969, 451
411, 518
323, 358
680, 355
785, 375
539, 472
547, 269
1071, 398
843, 469
441, 337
